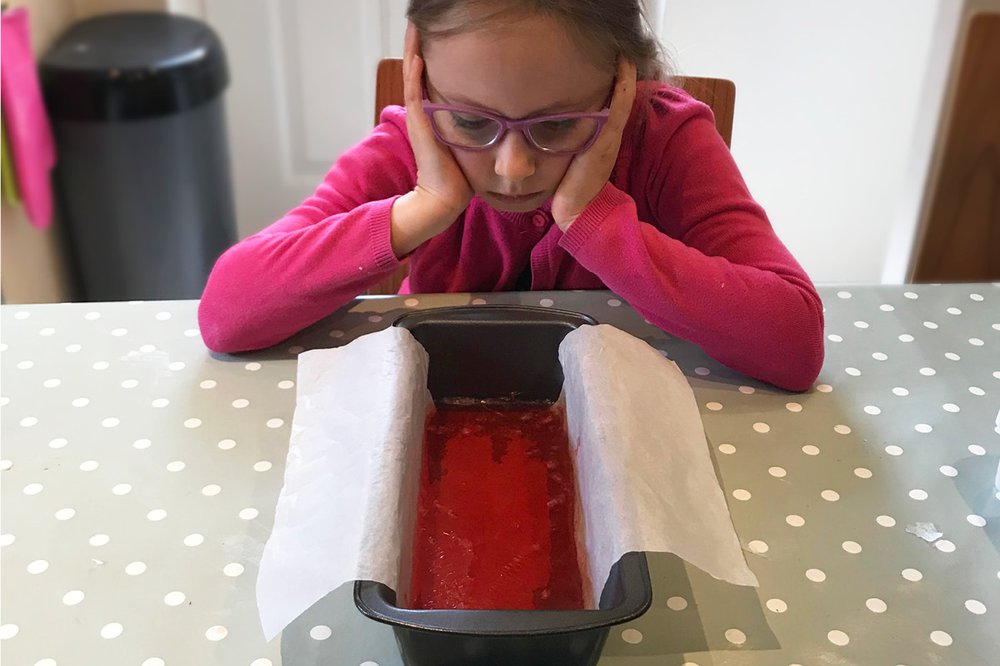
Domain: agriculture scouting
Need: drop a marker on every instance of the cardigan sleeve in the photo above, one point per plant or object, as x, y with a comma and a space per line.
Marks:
319, 255
706, 264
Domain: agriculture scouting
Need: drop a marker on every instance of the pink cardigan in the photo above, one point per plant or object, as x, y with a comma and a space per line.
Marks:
675, 233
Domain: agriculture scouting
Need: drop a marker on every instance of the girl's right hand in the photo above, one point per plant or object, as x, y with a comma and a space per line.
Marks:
442, 192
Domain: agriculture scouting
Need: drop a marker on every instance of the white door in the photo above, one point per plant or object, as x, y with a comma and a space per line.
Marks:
302, 91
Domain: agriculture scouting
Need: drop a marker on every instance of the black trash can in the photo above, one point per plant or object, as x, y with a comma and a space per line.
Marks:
142, 180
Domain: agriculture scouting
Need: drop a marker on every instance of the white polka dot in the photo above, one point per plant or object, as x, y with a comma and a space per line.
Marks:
211, 490
8, 631
121, 489
632, 636
830, 495
207, 384
177, 366
614, 302
976, 520
843, 294
33, 488
776, 605
546, 302
253, 366
37, 567
900, 391
777, 472
816, 575
240, 403
479, 301
156, 515
910, 295
275, 423
174, 598
73, 597
941, 638
92, 316
65, 514
879, 356
6, 539
952, 356
233, 569
72, 349
945, 546
736, 637
975, 390
928, 372
886, 521
227, 444
996, 374
833, 337
142, 444
175, 466
795, 520
51, 383
7, 464
977, 450
948, 470
48, 661
25, 365
931, 325
854, 372
135, 568
741, 494
119, 332
810, 450
130, 383
761, 427
873, 410
99, 540
728, 449
216, 633
286, 384
411, 302
912, 575
192, 423
861, 324
824, 388
876, 605
193, 540
677, 603
23, 314
262, 466
29, 421
714, 406
58, 443
110, 422
147, 349
267, 662
918, 494
101, 365
47, 331
80, 402
975, 607
112, 630
894, 450
923, 428
793, 407
976, 297
906, 337
951, 407
747, 390
160, 403
163, 316
862, 472
885, 307
320, 632
838, 637
842, 429
192, 333
372, 318
249, 513
758, 547
852, 547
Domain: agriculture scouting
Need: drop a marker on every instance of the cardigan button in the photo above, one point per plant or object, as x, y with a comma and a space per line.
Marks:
540, 220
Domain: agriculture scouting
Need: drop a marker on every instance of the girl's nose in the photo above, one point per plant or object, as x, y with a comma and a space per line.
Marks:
515, 158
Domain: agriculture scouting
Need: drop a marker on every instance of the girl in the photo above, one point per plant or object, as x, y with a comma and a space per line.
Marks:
538, 150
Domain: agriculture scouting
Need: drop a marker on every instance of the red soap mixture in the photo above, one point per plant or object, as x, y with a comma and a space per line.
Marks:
495, 522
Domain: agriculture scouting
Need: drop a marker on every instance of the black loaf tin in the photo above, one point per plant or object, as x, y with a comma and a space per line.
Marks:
503, 352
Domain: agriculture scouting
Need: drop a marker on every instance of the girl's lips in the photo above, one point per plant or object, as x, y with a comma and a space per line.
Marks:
516, 198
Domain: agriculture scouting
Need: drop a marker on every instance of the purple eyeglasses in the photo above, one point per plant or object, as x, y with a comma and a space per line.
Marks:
469, 128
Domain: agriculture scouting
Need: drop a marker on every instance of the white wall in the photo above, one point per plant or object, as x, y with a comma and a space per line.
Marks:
836, 108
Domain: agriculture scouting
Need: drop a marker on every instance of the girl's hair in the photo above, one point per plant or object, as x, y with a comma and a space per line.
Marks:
605, 28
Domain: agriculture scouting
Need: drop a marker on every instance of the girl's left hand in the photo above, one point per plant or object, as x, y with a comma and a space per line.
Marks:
589, 171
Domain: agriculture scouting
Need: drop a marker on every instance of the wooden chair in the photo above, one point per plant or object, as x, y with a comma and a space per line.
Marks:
718, 94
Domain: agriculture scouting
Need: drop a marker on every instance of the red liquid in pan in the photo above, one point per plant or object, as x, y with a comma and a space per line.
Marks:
495, 521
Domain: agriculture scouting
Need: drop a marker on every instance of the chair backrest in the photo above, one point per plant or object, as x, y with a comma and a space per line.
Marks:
718, 94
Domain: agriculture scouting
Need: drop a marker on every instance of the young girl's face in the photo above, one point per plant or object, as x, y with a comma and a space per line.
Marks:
519, 69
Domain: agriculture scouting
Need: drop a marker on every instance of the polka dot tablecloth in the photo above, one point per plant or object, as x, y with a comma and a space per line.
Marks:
140, 474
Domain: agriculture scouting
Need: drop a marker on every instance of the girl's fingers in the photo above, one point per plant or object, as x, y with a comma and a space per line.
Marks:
624, 95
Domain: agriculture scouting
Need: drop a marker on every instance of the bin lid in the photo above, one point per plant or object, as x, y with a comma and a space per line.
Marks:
131, 66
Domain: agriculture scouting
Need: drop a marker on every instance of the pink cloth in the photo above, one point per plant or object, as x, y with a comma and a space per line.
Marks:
31, 143
675, 233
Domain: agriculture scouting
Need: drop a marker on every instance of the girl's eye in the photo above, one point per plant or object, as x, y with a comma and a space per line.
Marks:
470, 122
557, 126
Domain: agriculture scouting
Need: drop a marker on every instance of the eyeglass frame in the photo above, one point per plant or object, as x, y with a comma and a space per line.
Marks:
509, 124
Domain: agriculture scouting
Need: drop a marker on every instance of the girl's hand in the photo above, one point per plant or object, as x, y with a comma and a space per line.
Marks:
589, 171
440, 181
